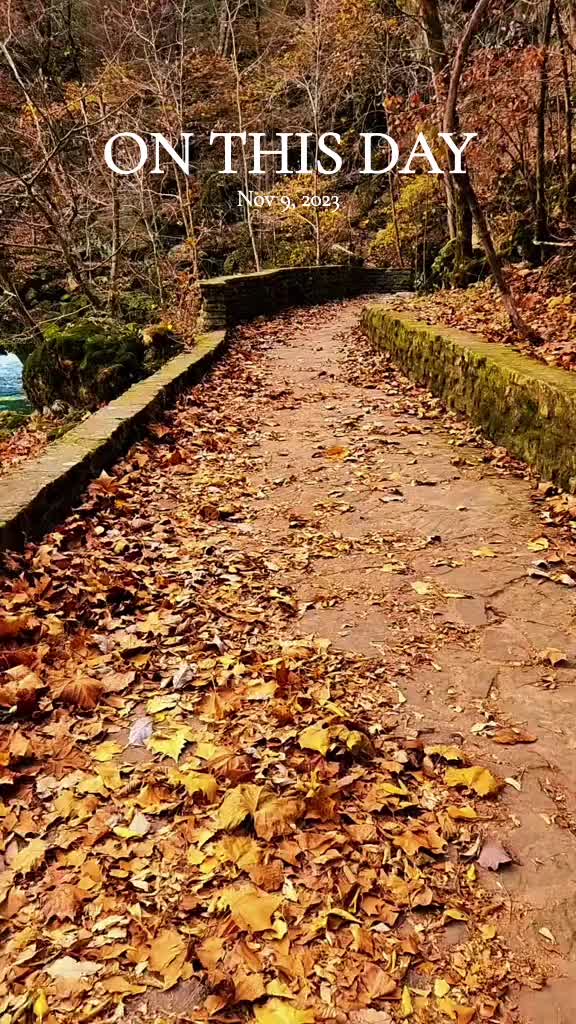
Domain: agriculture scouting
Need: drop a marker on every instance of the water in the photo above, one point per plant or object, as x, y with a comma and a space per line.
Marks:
11, 391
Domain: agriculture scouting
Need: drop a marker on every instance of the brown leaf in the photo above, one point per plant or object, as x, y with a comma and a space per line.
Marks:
269, 877
64, 903
83, 693
511, 736
12, 627
22, 690
277, 816
377, 982
248, 987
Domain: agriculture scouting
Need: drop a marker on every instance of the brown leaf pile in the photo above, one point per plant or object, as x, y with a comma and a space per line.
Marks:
193, 793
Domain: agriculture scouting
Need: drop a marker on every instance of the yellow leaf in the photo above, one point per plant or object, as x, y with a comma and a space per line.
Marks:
421, 587
106, 751
448, 753
261, 691
476, 778
137, 829
278, 988
406, 1007
40, 1007
483, 553
460, 1014
156, 705
195, 782
171, 746
316, 737
454, 915
252, 908
237, 805
209, 751
276, 1011
461, 813
441, 988
241, 850
168, 947
30, 857
539, 544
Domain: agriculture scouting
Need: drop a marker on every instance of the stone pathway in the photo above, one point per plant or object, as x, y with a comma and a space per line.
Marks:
389, 532
461, 527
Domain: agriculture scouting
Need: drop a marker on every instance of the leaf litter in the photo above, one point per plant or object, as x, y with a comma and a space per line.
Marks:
190, 794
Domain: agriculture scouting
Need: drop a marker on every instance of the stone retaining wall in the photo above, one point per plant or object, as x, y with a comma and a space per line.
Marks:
520, 403
227, 301
36, 495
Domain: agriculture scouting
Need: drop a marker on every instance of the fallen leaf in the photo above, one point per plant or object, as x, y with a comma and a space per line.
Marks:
140, 731
167, 948
68, 969
238, 804
40, 1006
277, 816
106, 751
509, 737
83, 693
30, 857
493, 855
476, 778
552, 656
370, 1017
251, 908
483, 553
421, 587
12, 627
315, 737
539, 544
64, 903
169, 746
277, 1011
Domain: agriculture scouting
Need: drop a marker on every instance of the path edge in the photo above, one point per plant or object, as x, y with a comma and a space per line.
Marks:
36, 496
527, 406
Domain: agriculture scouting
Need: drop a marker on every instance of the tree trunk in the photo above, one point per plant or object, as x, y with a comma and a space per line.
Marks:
458, 216
464, 183
541, 205
568, 110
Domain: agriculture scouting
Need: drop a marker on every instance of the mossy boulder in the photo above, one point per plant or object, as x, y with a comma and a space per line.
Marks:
446, 273
87, 363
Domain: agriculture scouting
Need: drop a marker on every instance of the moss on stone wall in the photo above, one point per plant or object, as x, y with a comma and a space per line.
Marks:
528, 407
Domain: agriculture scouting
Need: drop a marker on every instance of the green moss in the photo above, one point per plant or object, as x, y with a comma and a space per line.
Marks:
528, 407
84, 364
10, 422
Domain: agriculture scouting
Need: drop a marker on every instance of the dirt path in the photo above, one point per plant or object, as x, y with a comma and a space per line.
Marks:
249, 673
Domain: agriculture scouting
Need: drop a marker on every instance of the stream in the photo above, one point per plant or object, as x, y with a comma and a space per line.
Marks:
11, 391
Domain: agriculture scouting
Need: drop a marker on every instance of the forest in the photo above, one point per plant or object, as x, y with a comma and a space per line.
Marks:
88, 257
